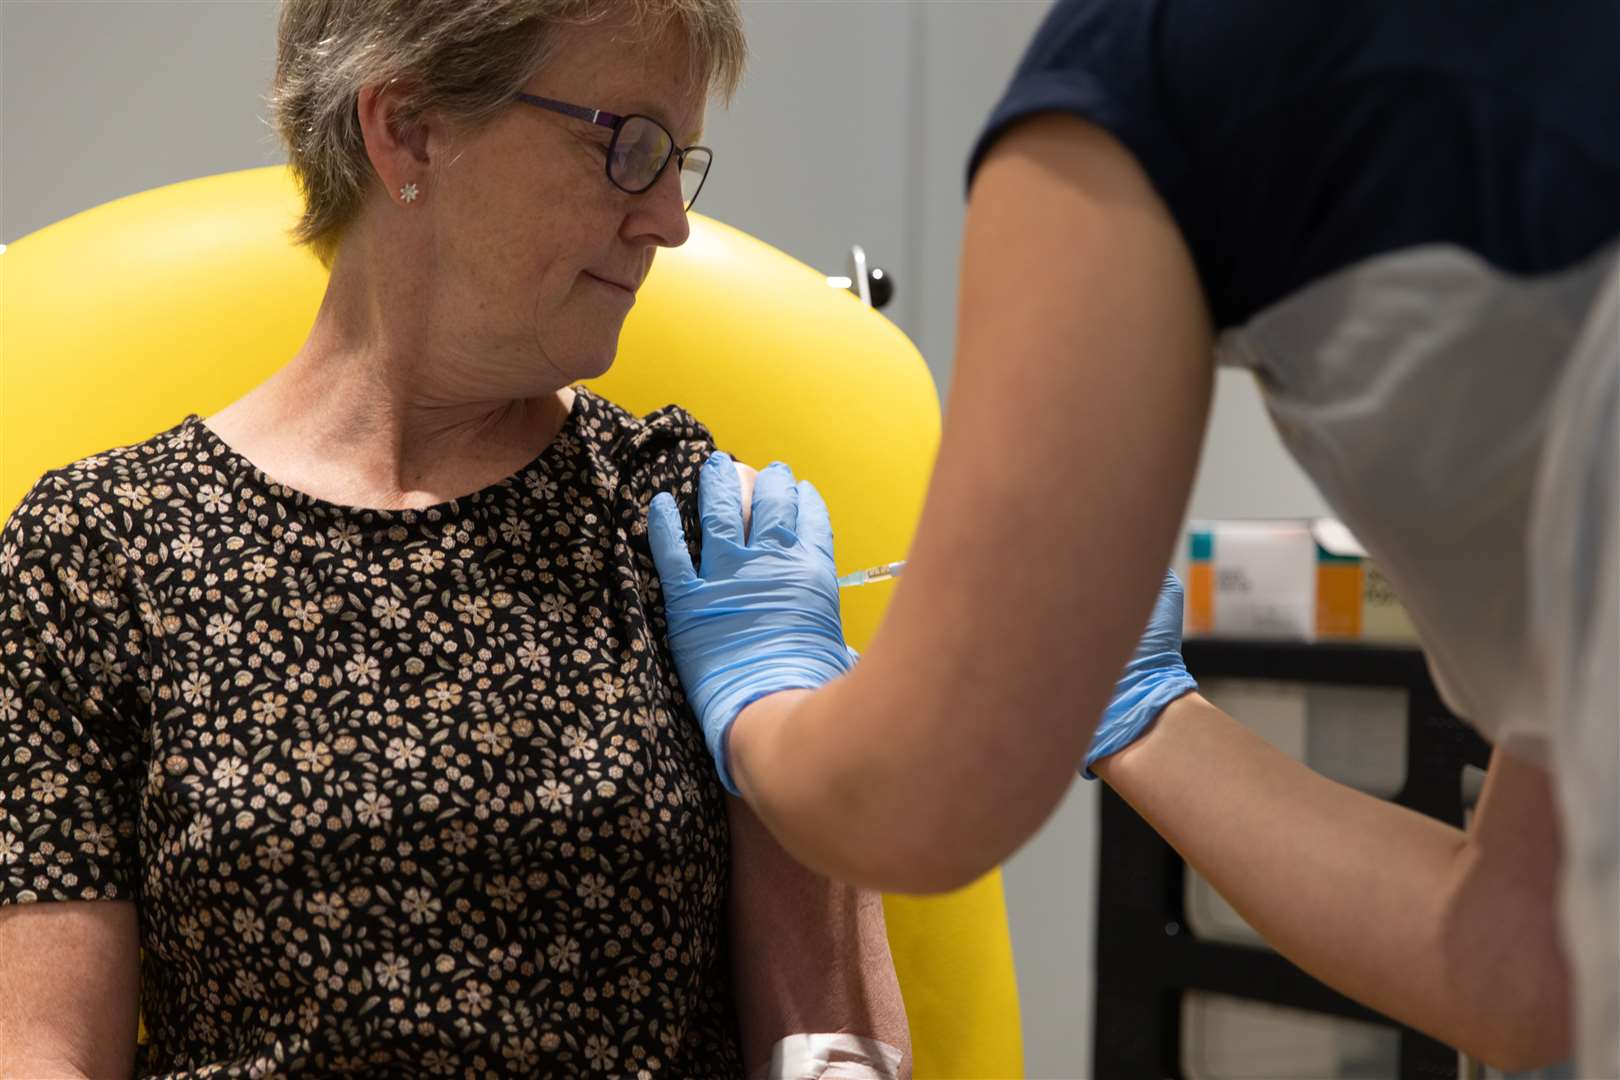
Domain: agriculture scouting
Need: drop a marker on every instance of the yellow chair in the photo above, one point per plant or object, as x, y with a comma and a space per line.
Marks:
121, 320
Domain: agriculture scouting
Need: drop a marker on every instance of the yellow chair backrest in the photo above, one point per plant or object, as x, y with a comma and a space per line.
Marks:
121, 320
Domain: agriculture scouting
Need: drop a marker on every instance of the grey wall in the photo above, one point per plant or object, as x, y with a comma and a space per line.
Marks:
101, 99
853, 126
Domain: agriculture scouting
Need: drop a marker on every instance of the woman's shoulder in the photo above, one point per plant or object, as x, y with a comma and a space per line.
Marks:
73, 550
668, 440
610, 424
103, 497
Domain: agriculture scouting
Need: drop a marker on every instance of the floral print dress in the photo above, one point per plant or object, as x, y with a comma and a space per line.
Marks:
393, 791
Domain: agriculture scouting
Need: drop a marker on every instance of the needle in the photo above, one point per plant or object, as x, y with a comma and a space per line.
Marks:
872, 574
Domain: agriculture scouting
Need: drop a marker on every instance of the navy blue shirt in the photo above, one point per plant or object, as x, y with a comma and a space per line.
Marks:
1292, 139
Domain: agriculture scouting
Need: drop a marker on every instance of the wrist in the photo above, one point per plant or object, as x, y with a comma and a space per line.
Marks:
1138, 754
1139, 700
720, 696
752, 735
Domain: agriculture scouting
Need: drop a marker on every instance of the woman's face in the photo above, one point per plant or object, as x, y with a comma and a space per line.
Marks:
537, 254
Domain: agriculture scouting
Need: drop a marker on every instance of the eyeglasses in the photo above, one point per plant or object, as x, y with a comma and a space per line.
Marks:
640, 149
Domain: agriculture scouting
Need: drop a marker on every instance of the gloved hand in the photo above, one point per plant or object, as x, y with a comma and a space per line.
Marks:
763, 616
1154, 678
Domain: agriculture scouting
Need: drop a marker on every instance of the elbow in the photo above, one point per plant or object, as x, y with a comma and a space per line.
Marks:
1512, 1006
919, 812
952, 869
883, 848
896, 866
1528, 1042
923, 854
930, 846
956, 842
1515, 1032
1523, 1057
926, 879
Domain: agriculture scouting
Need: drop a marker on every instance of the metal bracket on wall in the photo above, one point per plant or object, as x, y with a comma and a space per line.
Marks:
873, 284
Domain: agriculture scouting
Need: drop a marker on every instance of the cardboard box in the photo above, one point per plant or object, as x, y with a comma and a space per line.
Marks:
1300, 580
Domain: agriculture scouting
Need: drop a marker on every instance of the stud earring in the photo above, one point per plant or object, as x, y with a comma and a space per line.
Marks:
408, 193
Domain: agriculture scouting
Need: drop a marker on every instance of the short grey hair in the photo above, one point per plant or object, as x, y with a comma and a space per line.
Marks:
464, 58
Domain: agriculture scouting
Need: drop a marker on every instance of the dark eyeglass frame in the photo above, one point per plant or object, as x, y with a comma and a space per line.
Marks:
616, 123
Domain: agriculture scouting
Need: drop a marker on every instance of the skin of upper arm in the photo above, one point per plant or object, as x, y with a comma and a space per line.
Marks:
1084, 369
1500, 941
69, 988
808, 955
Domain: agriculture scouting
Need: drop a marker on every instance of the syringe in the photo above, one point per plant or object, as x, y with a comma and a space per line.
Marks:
872, 574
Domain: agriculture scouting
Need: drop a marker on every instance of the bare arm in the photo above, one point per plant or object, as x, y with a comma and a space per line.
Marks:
808, 955
1082, 384
1455, 934
68, 989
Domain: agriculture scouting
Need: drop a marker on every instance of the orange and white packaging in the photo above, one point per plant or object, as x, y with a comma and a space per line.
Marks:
1294, 579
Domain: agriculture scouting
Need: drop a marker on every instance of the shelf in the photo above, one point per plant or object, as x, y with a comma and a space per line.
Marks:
1146, 955
1353, 663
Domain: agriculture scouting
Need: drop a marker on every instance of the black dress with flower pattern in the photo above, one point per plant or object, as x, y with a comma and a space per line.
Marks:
408, 791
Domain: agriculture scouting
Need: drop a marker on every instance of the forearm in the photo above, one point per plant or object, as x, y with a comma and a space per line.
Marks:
1384, 904
1083, 380
851, 781
1072, 431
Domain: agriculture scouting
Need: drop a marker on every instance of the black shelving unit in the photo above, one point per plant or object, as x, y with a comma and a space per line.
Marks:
1147, 958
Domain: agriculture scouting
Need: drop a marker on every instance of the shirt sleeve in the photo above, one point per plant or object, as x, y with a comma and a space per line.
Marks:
1098, 60
69, 743
666, 453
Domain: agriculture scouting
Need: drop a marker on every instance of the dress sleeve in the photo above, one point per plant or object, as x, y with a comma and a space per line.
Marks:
1099, 60
70, 643
666, 453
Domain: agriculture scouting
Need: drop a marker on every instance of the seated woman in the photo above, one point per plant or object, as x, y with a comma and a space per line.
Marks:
350, 706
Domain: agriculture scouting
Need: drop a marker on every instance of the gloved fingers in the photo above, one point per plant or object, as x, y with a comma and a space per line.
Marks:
668, 541
776, 508
720, 500
815, 524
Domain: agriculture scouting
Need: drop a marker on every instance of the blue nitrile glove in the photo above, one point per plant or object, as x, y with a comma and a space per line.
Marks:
763, 616
1154, 678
